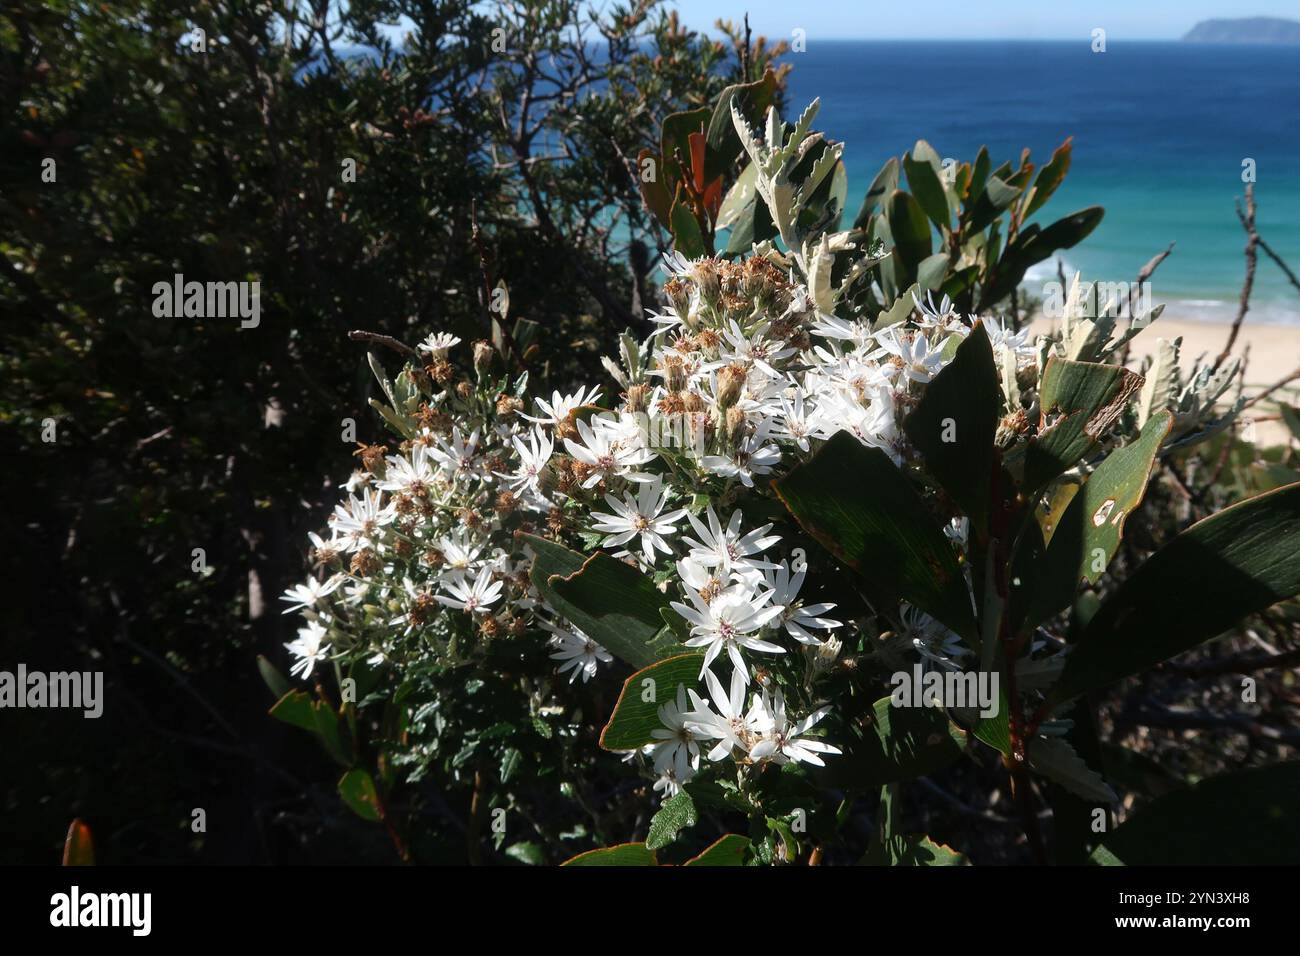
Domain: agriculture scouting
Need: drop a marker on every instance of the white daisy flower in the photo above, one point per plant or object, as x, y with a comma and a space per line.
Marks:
360, 523
781, 741
561, 407
438, 344
309, 647
920, 363
642, 515
474, 596
754, 456
729, 550
533, 458
726, 721
797, 617
608, 452
459, 551
580, 654
728, 622
678, 749
458, 457
305, 596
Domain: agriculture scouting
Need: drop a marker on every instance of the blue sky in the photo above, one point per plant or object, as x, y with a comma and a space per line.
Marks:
976, 19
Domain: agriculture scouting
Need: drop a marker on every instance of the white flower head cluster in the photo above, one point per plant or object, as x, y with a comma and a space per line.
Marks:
741, 378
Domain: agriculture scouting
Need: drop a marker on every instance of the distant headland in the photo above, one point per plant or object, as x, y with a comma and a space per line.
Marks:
1245, 30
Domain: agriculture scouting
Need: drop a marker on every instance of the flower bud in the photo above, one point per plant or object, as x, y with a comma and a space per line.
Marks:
731, 382
709, 281
674, 373
679, 297
825, 655
482, 356
637, 397
737, 426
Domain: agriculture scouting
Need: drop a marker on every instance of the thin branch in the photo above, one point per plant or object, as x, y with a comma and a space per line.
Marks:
1145, 273
1272, 388
357, 335
1252, 241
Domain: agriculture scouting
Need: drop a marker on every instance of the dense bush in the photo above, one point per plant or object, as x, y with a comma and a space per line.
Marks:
228, 160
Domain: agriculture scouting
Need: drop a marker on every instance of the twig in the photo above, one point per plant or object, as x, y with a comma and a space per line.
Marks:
1239, 665
1145, 273
1280, 264
357, 335
493, 322
1272, 388
1252, 241
744, 53
1185, 719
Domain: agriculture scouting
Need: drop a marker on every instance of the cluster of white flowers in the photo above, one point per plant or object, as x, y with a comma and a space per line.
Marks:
741, 377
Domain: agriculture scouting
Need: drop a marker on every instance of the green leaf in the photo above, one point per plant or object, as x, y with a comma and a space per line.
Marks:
613, 603
911, 232
926, 186
954, 424
357, 788
1050, 177
654, 190
1033, 245
752, 100
396, 422
1055, 759
1292, 418
887, 536
509, 763
886, 182
636, 713
903, 307
1245, 818
753, 224
675, 141
913, 849
996, 730
687, 237
729, 850
932, 271
1080, 401
1090, 529
625, 854
993, 199
978, 176
1234, 563
326, 724
677, 813
739, 197
272, 677
295, 708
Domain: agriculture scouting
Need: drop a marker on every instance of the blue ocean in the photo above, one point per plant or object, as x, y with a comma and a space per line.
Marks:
1160, 133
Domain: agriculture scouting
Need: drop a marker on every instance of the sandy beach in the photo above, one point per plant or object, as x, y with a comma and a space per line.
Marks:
1271, 353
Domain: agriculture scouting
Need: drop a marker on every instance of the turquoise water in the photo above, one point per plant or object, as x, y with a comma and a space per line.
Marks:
1160, 131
